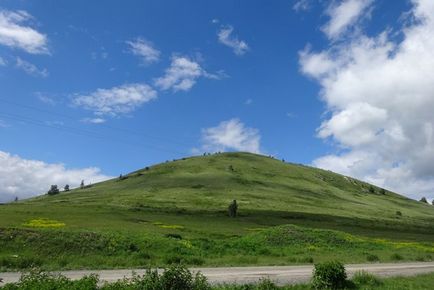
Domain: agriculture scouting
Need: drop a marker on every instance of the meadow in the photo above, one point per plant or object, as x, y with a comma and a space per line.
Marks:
177, 212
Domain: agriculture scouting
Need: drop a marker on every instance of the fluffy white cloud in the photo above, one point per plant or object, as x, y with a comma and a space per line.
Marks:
30, 68
380, 95
233, 135
24, 178
226, 37
344, 15
117, 100
182, 75
144, 49
14, 32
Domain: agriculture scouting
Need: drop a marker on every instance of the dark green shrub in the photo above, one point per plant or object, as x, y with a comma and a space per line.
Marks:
396, 257
233, 208
176, 277
174, 236
398, 213
423, 199
266, 284
372, 258
363, 278
53, 190
329, 275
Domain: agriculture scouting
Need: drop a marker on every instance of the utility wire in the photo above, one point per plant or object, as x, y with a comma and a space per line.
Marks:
82, 132
128, 131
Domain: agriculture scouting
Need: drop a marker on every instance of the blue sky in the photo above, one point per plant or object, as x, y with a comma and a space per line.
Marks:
90, 91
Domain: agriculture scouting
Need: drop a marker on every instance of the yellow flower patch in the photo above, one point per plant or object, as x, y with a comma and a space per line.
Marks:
43, 223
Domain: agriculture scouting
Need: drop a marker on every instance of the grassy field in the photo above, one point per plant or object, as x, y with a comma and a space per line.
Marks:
177, 211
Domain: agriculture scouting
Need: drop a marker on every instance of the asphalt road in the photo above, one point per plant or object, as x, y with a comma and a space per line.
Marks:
240, 275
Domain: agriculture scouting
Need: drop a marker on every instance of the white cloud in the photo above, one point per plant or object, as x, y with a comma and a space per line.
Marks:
380, 94
117, 100
225, 37
301, 5
344, 15
93, 120
3, 62
30, 68
182, 74
25, 178
144, 49
14, 32
232, 135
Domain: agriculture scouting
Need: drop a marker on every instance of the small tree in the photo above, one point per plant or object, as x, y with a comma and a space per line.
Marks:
233, 208
16, 198
66, 188
53, 190
383, 191
371, 189
423, 199
432, 202
82, 184
231, 168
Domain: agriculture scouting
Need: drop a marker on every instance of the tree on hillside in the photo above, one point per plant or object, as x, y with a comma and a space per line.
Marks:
82, 184
66, 188
432, 202
233, 208
423, 199
16, 198
53, 190
371, 189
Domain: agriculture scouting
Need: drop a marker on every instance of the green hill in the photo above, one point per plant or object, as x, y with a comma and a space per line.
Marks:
177, 211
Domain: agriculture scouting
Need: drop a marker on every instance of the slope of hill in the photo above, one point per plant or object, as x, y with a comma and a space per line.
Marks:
184, 202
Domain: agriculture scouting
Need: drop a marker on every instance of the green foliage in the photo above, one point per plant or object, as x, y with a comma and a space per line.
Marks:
174, 278
53, 190
372, 258
396, 257
423, 199
365, 279
329, 275
233, 208
398, 213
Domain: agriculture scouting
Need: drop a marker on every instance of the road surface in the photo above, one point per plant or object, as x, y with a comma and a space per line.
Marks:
241, 275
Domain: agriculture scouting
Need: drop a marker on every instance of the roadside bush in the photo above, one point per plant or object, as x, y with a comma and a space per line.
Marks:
174, 278
43, 281
266, 284
363, 278
329, 275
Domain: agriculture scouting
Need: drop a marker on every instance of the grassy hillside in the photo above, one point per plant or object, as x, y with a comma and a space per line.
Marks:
183, 206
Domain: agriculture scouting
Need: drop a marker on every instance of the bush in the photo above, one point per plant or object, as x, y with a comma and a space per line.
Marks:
329, 275
372, 258
266, 284
179, 277
174, 278
423, 199
396, 257
363, 278
53, 190
398, 213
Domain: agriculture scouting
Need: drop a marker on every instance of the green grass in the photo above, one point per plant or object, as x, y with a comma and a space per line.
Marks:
137, 221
